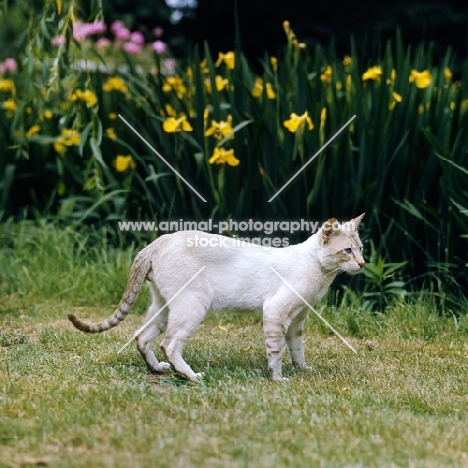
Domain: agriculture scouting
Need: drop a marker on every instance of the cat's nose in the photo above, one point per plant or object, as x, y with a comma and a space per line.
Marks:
361, 264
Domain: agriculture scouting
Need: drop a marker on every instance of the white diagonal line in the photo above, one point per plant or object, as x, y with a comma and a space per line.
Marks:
162, 159
161, 309
313, 310
312, 158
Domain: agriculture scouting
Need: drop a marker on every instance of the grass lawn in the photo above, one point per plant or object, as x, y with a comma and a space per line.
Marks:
68, 399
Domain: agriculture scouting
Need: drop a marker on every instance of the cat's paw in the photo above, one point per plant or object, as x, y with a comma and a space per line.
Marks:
198, 377
164, 367
278, 378
304, 366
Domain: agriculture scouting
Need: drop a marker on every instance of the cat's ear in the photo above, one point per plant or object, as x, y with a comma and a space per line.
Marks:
355, 222
330, 228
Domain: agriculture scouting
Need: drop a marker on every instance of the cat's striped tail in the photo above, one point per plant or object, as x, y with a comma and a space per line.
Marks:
140, 268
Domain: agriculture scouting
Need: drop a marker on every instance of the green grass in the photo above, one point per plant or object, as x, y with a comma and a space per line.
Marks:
68, 399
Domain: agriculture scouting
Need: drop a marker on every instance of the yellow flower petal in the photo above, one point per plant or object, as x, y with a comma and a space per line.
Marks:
122, 163
323, 116
258, 87
421, 79
274, 63
326, 76
9, 105
215, 157
373, 73
270, 92
7, 85
114, 83
170, 125
186, 127
221, 82
223, 156
111, 133
33, 130
292, 124
228, 58
397, 96
295, 121
231, 159
61, 149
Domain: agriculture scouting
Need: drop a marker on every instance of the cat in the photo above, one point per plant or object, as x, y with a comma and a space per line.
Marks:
235, 278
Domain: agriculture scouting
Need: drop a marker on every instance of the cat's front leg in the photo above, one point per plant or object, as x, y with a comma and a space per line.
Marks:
295, 340
274, 329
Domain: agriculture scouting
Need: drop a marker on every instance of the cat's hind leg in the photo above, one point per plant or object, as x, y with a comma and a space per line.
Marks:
151, 332
185, 315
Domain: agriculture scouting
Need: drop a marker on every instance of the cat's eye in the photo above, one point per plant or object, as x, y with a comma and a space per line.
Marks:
347, 251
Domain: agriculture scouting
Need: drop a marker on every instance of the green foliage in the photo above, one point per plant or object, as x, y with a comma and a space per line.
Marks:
383, 286
410, 114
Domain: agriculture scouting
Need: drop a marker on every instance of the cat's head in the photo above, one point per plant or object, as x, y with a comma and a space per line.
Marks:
340, 246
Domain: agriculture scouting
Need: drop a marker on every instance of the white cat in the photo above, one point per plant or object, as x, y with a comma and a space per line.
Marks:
234, 278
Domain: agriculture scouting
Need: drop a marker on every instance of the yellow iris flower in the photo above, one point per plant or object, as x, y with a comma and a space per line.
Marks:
421, 79
110, 132
228, 58
222, 156
257, 91
122, 163
298, 121
326, 76
9, 105
220, 83
114, 83
86, 96
347, 60
7, 85
396, 98
175, 83
220, 129
274, 63
68, 137
373, 73
173, 125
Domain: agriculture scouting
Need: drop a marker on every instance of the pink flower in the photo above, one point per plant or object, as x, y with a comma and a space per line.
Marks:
97, 27
137, 37
159, 47
103, 42
131, 47
116, 25
58, 40
10, 64
80, 30
122, 34
158, 31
